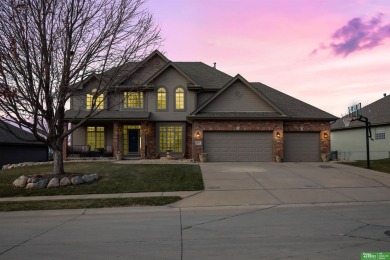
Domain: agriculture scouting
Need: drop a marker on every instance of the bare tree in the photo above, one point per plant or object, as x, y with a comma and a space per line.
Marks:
47, 47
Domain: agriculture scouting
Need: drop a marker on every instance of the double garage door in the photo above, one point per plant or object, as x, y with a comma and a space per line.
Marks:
257, 146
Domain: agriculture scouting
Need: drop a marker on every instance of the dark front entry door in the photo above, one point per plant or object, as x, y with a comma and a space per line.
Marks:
133, 140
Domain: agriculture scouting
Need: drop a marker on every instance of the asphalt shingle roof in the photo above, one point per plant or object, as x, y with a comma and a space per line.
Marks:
292, 107
125, 115
204, 75
8, 138
378, 113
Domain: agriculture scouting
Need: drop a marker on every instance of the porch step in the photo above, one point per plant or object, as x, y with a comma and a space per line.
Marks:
131, 158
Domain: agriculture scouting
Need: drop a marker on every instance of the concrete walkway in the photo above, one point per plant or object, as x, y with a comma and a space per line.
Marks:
246, 184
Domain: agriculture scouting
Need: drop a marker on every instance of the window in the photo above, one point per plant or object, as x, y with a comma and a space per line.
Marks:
380, 133
171, 137
133, 100
179, 99
99, 101
95, 137
161, 99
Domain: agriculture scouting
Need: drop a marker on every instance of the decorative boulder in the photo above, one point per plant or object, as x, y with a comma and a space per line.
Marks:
77, 180
87, 178
95, 176
54, 183
31, 185
21, 181
65, 182
42, 183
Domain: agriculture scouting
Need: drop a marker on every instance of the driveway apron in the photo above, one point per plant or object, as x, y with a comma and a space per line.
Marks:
248, 183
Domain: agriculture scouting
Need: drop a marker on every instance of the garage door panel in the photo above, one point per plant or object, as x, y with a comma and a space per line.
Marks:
238, 146
301, 147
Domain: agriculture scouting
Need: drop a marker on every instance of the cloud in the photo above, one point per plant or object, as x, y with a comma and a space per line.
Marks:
357, 35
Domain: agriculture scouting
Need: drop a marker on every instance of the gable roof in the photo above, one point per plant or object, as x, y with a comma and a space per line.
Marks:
286, 106
6, 137
378, 113
231, 114
292, 107
168, 65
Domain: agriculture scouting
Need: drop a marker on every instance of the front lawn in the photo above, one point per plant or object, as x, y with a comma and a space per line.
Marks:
113, 178
382, 165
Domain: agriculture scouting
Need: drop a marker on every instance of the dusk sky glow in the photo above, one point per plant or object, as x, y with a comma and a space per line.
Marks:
328, 53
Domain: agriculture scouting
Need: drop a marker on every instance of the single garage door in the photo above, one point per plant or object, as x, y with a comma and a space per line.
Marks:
301, 147
238, 146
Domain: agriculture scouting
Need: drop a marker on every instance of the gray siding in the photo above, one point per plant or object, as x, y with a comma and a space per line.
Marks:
203, 97
171, 79
238, 98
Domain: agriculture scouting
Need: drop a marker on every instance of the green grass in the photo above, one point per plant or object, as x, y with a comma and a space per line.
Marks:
382, 165
113, 178
87, 203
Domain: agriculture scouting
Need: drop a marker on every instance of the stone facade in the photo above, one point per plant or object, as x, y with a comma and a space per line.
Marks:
148, 140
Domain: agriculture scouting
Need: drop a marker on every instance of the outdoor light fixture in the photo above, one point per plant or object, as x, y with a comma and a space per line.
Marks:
197, 135
277, 135
326, 135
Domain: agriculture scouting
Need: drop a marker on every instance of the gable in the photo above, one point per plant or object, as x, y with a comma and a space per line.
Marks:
145, 71
238, 97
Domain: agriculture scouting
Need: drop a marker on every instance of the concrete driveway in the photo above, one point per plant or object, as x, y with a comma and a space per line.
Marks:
242, 184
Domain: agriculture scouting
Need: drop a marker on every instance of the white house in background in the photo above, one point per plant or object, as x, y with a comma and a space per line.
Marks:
350, 142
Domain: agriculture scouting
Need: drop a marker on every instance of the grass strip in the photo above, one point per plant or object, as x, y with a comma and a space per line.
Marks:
86, 203
382, 165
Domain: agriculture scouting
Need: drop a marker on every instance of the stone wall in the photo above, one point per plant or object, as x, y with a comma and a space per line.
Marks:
148, 137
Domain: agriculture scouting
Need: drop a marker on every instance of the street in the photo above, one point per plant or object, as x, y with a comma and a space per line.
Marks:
321, 231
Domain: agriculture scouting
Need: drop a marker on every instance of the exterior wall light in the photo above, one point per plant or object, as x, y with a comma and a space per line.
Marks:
197, 135
326, 135
277, 135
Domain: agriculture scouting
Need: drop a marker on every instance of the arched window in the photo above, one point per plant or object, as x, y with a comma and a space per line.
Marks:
179, 99
161, 99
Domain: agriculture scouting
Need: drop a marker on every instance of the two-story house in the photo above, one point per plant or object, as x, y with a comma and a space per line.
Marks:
192, 108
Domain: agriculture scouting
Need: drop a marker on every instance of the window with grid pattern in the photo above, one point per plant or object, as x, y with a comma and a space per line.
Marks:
171, 137
99, 102
133, 99
161, 99
179, 99
380, 133
95, 137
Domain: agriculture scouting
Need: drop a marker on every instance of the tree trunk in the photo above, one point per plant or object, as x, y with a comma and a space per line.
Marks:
58, 162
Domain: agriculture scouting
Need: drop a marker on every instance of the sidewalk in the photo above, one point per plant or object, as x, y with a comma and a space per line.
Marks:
182, 194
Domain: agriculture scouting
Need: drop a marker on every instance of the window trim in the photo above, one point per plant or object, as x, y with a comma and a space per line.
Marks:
95, 131
125, 100
183, 137
166, 99
381, 133
184, 99
88, 104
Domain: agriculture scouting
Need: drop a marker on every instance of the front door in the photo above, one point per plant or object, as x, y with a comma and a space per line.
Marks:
133, 135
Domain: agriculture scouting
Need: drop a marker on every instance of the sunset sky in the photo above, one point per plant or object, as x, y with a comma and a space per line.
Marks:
328, 53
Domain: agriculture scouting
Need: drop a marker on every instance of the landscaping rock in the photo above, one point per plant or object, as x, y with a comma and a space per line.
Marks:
87, 178
77, 180
42, 183
32, 185
21, 181
65, 182
54, 183
95, 176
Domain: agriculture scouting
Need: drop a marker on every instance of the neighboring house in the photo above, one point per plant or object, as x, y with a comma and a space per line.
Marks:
350, 142
192, 108
19, 148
